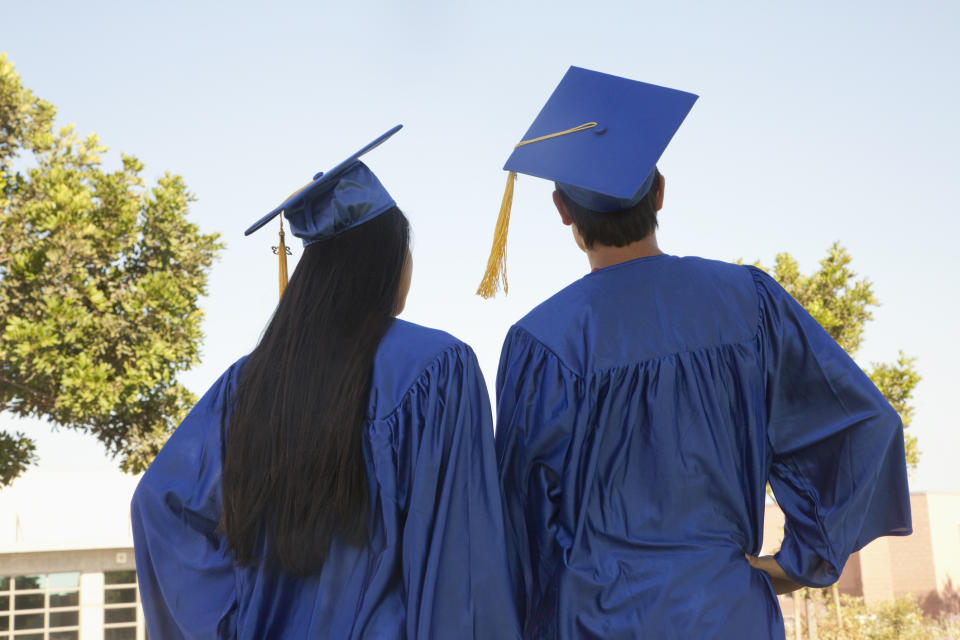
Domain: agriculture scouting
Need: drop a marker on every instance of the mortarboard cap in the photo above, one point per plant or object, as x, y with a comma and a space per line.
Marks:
599, 138
345, 196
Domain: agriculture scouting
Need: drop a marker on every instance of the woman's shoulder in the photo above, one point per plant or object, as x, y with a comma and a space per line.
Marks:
408, 337
407, 351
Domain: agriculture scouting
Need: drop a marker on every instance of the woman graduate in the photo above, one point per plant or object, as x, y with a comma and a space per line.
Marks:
340, 480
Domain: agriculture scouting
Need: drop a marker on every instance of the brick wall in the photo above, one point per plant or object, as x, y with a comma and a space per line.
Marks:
944, 519
876, 571
912, 556
919, 564
850, 581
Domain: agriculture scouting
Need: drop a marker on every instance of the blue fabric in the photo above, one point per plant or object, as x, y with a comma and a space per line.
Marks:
354, 198
601, 203
641, 412
435, 564
345, 196
607, 164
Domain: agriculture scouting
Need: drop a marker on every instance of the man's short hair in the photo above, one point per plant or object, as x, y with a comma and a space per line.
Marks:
619, 228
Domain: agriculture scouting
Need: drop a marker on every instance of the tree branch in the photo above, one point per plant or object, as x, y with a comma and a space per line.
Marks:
26, 389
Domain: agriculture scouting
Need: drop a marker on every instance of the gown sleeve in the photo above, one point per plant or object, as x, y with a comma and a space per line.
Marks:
186, 577
454, 560
538, 403
838, 465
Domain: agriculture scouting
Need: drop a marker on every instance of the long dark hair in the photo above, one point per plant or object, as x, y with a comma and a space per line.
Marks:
294, 469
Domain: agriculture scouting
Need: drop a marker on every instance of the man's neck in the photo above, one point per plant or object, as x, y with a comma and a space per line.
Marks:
602, 256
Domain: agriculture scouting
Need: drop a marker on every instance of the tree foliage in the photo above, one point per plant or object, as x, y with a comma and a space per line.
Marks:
842, 303
898, 619
100, 278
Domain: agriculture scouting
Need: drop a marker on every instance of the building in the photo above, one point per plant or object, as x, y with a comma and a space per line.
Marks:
925, 564
67, 566
70, 594
66, 559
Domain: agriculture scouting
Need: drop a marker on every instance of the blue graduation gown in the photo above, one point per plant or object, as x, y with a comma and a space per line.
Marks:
641, 412
435, 565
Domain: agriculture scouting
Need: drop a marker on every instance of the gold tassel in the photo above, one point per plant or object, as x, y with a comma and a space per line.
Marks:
282, 252
497, 263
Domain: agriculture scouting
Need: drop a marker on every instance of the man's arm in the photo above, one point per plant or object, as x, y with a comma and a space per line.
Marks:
782, 583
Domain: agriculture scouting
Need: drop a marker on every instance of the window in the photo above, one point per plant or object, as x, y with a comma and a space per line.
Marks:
40, 607
120, 600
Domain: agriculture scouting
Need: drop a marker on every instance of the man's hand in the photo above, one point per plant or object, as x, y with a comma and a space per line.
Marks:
781, 581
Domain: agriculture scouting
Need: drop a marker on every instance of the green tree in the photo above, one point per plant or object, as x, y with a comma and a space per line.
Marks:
842, 304
897, 619
100, 278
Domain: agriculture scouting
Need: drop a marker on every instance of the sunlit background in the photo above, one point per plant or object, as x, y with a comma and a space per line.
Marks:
818, 122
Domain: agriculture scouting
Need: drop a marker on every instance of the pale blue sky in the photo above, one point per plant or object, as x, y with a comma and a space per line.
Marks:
818, 121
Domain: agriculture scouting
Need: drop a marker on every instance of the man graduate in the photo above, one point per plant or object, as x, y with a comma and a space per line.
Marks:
643, 409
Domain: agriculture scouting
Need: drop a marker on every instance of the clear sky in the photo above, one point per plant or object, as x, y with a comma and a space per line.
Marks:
818, 121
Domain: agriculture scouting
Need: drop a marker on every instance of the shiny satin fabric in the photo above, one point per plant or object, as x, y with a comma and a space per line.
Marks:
435, 564
641, 412
356, 197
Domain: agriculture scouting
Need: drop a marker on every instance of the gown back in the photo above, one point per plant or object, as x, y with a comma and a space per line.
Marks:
642, 411
435, 563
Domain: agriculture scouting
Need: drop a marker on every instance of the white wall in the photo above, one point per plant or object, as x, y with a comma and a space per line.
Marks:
46, 510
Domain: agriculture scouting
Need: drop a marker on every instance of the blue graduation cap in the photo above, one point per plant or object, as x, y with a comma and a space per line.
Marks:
599, 138
345, 196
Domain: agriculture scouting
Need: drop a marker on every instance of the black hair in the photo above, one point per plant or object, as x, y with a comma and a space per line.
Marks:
618, 228
294, 476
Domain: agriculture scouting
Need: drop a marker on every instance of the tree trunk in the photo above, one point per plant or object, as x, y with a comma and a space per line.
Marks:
836, 601
797, 609
811, 620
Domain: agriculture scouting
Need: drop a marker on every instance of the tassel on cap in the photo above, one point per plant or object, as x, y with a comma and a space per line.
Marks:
282, 252
497, 263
